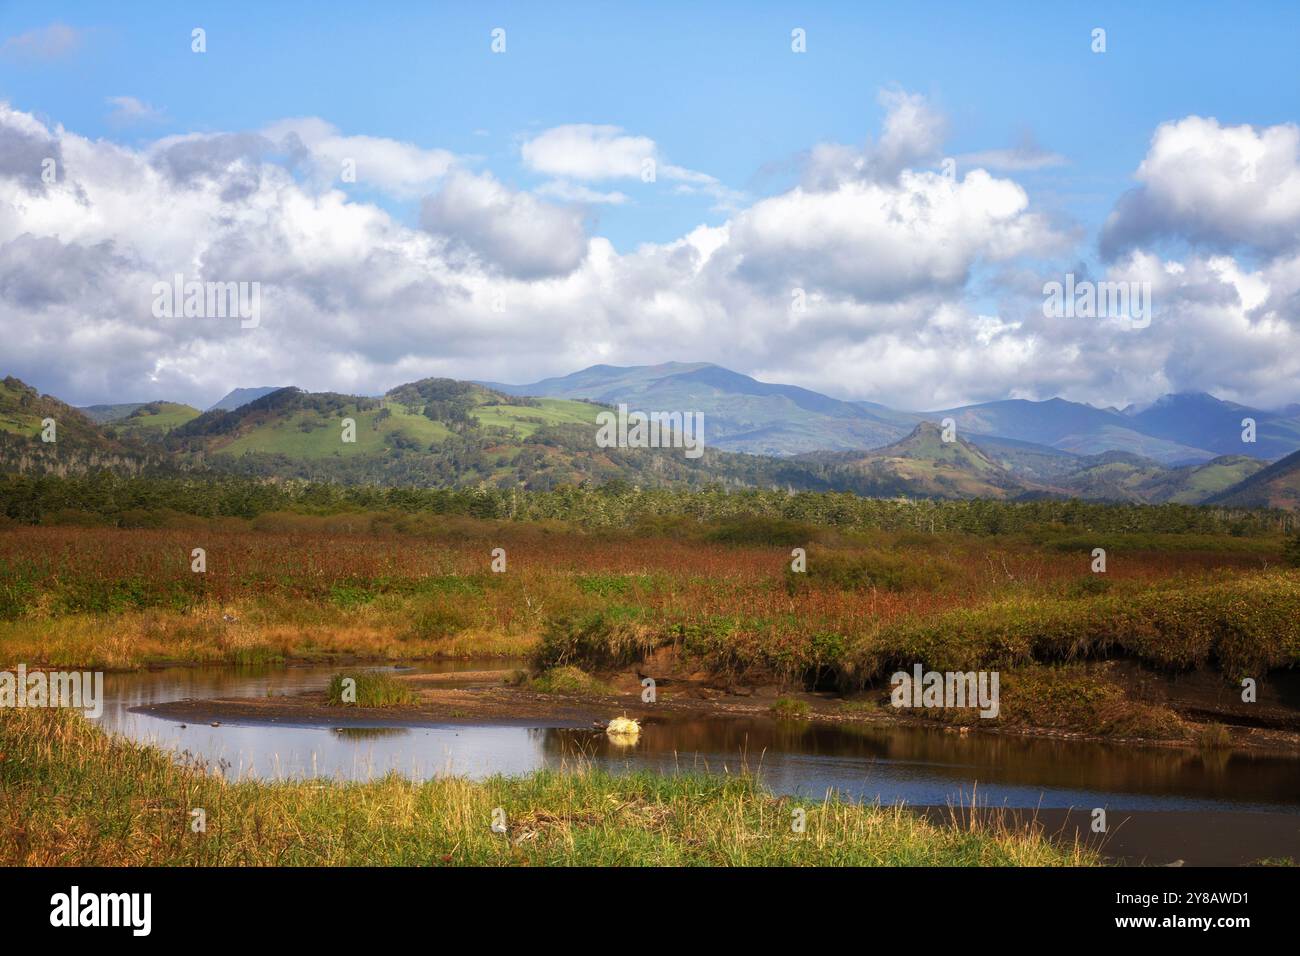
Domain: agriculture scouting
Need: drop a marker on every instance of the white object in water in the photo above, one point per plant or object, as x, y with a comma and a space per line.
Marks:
623, 727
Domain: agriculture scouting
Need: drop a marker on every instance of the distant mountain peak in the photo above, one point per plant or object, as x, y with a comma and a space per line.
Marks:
926, 441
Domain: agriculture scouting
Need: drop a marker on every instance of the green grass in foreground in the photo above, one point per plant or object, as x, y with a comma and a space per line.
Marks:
75, 796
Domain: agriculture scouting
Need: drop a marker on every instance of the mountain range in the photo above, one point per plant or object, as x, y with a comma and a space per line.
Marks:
746, 415
741, 413
1184, 448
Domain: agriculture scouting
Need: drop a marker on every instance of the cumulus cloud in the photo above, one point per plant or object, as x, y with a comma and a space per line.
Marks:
912, 135
586, 151
1213, 186
508, 230
402, 169
920, 290
878, 241
593, 153
26, 147
232, 161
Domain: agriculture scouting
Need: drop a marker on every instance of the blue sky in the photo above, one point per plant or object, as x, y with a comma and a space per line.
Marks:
752, 141
716, 85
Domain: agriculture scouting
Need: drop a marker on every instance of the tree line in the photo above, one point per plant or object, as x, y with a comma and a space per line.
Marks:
35, 499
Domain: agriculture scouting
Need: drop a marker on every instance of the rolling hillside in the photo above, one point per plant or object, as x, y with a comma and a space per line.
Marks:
80, 443
1120, 476
744, 414
1195, 484
153, 419
741, 413
1277, 486
923, 465
443, 432
1112, 476
1068, 426
1036, 464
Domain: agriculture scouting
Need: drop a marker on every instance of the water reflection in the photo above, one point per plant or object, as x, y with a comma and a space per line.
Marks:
367, 733
918, 766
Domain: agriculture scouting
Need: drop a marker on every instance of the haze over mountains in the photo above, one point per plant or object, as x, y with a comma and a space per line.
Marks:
1184, 448
744, 414
741, 413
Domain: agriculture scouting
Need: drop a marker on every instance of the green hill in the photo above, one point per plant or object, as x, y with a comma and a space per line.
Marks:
445, 432
1120, 476
153, 419
922, 465
299, 425
740, 412
1195, 484
1112, 476
523, 421
442, 432
23, 409
80, 444
1277, 486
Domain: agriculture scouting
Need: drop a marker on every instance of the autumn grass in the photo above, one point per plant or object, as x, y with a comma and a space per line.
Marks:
1069, 697
723, 598
238, 633
368, 689
789, 708
571, 681
1244, 625
74, 796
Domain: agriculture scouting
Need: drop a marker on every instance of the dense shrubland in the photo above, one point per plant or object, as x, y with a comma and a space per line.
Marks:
98, 572
737, 516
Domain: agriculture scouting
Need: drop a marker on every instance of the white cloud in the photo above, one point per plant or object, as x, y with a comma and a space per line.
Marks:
878, 241
913, 134
566, 191
127, 110
583, 151
922, 291
505, 229
403, 169
1216, 186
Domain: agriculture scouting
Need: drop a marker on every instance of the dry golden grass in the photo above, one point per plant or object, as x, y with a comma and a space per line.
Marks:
74, 796
127, 598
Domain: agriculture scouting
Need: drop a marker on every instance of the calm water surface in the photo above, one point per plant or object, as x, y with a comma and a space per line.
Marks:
915, 766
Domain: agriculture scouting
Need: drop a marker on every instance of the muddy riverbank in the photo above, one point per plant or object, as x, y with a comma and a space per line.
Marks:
1164, 803
487, 696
